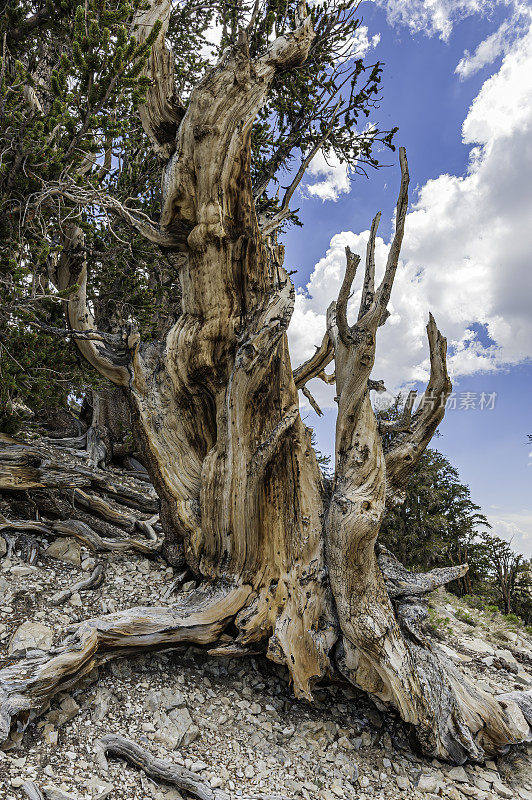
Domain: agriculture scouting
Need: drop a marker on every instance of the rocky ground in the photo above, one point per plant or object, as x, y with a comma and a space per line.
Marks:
234, 722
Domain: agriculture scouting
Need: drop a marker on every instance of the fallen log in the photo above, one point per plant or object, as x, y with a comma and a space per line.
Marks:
83, 533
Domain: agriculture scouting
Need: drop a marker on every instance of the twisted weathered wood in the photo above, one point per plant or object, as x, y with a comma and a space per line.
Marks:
215, 405
156, 768
316, 364
215, 408
163, 110
382, 649
84, 534
94, 581
71, 270
27, 684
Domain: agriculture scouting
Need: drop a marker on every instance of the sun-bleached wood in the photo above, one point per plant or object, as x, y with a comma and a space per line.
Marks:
215, 407
27, 684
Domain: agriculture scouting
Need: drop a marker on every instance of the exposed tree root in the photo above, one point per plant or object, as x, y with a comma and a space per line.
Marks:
27, 684
24, 467
453, 719
164, 771
83, 533
94, 581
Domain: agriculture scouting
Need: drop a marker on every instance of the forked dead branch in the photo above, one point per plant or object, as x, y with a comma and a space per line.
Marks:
215, 406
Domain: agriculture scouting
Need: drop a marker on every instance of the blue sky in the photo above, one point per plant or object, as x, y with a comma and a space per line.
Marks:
458, 83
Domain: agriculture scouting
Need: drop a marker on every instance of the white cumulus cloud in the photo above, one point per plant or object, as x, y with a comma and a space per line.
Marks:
497, 44
438, 18
362, 43
331, 177
516, 528
467, 252
434, 17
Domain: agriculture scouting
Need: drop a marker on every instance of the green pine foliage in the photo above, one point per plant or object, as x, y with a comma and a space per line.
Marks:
69, 88
439, 525
438, 522
71, 81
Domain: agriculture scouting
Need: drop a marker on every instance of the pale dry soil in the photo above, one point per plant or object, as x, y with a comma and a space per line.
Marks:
234, 721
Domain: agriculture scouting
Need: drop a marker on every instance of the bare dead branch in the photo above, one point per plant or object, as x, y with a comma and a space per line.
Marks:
139, 221
385, 288
400, 582
408, 449
376, 386
163, 110
368, 288
404, 421
312, 402
32, 790
316, 364
71, 274
94, 581
341, 304
30, 682
271, 224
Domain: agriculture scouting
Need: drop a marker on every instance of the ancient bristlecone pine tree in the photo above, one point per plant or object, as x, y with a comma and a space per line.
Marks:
216, 407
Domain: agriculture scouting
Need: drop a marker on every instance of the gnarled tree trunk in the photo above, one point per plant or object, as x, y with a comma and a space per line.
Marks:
215, 406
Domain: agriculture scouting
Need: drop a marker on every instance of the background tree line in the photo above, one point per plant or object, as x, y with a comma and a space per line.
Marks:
439, 525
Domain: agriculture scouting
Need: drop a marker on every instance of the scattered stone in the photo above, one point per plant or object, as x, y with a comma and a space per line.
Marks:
171, 700
100, 789
502, 790
478, 646
52, 792
75, 600
22, 570
452, 793
101, 703
244, 732
427, 783
68, 550
31, 636
69, 707
473, 791
458, 775
50, 735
